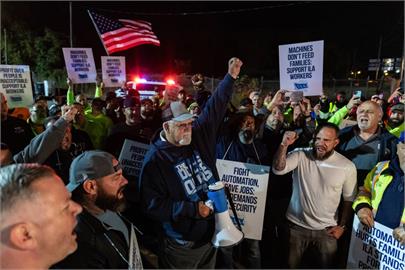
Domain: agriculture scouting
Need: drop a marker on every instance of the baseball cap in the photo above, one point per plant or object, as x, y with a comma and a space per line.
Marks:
376, 96
177, 111
92, 164
193, 106
398, 107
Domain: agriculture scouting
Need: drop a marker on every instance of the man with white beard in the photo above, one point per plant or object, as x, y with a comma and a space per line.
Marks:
176, 173
320, 177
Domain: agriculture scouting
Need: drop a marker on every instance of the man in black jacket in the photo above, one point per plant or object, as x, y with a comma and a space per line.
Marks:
105, 238
367, 143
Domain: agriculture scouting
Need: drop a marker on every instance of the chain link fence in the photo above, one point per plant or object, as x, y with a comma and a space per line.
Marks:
331, 86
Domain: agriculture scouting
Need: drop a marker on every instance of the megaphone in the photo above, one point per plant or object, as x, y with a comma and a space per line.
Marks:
226, 234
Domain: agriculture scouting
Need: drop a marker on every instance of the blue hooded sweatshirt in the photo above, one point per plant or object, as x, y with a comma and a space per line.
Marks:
175, 178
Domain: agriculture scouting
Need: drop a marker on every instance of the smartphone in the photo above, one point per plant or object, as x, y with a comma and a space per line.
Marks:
294, 96
357, 93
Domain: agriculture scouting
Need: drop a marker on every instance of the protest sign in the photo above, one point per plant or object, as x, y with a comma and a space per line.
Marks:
131, 157
301, 67
80, 65
247, 184
113, 70
15, 84
374, 248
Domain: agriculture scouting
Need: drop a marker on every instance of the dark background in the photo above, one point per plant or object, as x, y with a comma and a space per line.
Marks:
202, 36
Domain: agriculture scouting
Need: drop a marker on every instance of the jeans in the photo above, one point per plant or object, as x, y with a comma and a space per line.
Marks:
247, 253
175, 255
302, 240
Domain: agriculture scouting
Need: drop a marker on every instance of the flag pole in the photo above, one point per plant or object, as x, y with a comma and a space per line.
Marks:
98, 32
70, 24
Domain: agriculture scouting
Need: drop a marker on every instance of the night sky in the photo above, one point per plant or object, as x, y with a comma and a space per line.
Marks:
204, 42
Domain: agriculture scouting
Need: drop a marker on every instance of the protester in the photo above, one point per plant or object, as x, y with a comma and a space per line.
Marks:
202, 95
381, 199
367, 143
104, 237
339, 102
38, 113
151, 120
320, 177
98, 123
194, 109
339, 116
16, 133
395, 123
113, 108
130, 129
238, 143
175, 176
258, 107
37, 217
279, 190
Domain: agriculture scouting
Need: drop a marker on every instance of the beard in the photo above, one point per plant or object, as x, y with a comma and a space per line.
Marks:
246, 136
323, 156
395, 122
186, 140
106, 201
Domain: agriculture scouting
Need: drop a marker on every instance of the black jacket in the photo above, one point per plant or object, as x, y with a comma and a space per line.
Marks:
387, 149
94, 249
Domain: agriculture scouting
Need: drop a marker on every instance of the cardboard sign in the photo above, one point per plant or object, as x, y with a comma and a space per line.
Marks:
113, 70
374, 248
248, 186
15, 84
131, 157
301, 67
80, 65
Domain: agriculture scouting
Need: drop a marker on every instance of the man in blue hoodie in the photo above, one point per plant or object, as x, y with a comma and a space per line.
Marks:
175, 176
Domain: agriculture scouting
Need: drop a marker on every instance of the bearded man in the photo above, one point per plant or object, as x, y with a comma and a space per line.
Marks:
176, 173
104, 237
320, 177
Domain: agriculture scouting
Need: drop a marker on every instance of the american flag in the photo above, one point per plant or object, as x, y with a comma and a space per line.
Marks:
122, 34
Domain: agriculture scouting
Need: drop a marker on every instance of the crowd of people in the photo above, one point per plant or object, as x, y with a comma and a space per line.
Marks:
330, 160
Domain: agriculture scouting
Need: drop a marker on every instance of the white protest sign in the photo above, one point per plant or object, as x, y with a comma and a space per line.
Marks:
374, 248
113, 70
15, 84
131, 157
80, 65
247, 184
301, 67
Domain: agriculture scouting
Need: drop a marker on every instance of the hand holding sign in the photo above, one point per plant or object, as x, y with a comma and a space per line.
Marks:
399, 234
366, 216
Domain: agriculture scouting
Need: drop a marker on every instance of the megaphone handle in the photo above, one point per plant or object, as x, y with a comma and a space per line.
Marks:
228, 195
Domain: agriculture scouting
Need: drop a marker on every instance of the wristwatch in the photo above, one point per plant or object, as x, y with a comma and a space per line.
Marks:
343, 227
